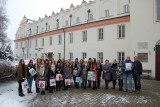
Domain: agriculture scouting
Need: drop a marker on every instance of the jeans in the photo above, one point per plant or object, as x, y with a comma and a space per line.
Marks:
29, 80
137, 81
84, 82
128, 77
20, 87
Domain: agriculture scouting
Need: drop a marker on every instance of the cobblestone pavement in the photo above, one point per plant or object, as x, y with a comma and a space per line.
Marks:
149, 97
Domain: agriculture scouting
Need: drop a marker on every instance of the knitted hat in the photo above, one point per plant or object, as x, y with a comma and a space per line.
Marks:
85, 59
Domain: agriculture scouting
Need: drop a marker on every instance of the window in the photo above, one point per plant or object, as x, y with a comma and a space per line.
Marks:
84, 55
16, 45
90, 16
21, 44
121, 31
42, 41
158, 10
66, 22
100, 34
121, 56
30, 43
59, 55
107, 13
37, 30
35, 55
143, 57
36, 43
126, 8
100, 57
60, 39
50, 40
71, 56
77, 19
70, 37
84, 36
26, 44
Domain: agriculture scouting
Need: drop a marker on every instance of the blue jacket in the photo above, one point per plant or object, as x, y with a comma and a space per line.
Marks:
127, 71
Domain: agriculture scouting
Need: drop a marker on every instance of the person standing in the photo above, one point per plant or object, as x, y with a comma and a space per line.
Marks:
21, 76
67, 70
84, 74
99, 72
29, 76
88, 69
127, 75
106, 68
76, 68
113, 73
120, 75
93, 69
137, 71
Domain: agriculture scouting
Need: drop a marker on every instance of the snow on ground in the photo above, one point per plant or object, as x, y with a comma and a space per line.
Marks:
9, 95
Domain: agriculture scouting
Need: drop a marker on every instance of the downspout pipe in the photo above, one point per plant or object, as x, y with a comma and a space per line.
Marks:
64, 43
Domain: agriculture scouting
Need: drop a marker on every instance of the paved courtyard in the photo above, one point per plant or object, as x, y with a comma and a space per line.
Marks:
149, 97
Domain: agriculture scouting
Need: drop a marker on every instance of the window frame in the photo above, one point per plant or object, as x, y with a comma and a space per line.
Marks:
121, 32
59, 56
42, 41
100, 58
126, 8
59, 39
107, 13
100, 37
35, 42
71, 56
156, 11
121, 56
70, 38
84, 54
50, 40
84, 36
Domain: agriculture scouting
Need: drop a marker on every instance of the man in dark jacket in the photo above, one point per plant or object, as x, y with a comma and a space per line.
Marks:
137, 71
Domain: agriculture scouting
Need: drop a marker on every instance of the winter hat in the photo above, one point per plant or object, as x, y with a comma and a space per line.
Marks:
85, 59
30, 61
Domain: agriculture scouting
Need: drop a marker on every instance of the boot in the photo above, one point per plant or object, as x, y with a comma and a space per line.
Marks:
21, 95
28, 91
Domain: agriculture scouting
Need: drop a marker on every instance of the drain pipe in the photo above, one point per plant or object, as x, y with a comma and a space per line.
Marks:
64, 43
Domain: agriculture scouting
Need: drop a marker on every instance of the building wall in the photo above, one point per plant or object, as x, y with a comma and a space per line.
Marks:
144, 28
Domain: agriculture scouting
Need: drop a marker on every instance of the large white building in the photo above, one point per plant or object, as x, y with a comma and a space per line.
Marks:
102, 29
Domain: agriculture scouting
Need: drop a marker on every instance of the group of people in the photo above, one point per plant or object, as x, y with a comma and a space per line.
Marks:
47, 69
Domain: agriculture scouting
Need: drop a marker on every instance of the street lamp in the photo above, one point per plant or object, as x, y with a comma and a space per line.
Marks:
23, 48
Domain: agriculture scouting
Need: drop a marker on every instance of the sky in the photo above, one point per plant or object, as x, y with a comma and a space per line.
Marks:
33, 9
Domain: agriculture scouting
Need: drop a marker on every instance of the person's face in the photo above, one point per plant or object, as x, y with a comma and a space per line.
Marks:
135, 58
22, 62
31, 63
114, 61
128, 58
106, 62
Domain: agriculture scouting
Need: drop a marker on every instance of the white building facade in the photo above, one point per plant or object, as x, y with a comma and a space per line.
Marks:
101, 29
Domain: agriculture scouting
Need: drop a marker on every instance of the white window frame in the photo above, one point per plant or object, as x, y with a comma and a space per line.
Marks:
70, 37
126, 8
36, 42
121, 56
107, 13
84, 55
100, 57
156, 10
50, 40
59, 39
100, 34
59, 56
71, 56
84, 36
42, 41
121, 31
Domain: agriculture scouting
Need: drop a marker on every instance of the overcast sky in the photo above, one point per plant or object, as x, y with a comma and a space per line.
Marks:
33, 9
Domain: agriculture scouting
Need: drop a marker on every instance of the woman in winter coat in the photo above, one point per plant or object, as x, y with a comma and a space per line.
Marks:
93, 69
29, 76
106, 68
51, 74
67, 71
120, 75
84, 74
38, 62
99, 72
42, 74
21, 76
113, 72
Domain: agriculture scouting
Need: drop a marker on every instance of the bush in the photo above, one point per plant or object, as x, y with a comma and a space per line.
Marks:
7, 71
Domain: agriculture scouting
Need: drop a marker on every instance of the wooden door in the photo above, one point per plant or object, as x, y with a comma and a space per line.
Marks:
158, 62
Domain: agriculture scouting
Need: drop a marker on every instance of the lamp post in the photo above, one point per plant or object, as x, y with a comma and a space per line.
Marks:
23, 48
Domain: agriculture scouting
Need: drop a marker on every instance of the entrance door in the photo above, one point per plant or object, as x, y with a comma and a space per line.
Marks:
50, 55
158, 62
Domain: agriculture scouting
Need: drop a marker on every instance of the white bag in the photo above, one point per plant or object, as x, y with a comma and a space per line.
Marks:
25, 84
59, 77
52, 82
42, 84
67, 82
32, 72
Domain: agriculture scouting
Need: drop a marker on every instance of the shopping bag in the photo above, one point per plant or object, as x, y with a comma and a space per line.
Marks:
59, 77
32, 72
90, 75
78, 79
25, 84
67, 82
42, 84
52, 82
